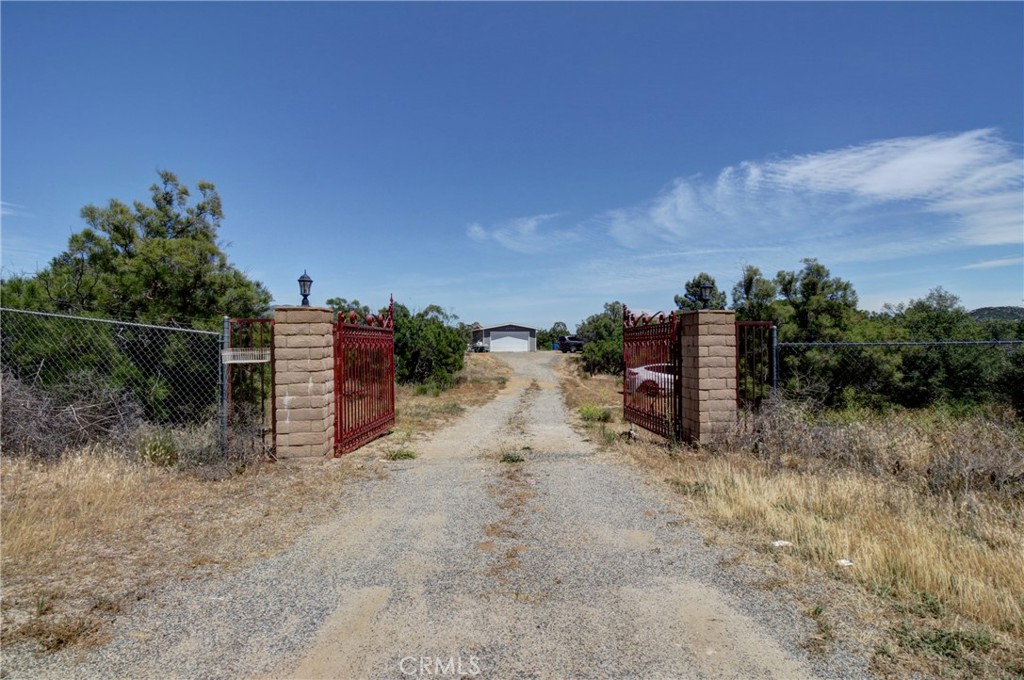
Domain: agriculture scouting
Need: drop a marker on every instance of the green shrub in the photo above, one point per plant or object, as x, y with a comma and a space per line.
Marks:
595, 414
604, 356
603, 335
428, 349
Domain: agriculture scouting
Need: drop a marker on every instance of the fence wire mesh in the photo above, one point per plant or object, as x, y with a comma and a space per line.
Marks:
911, 374
73, 380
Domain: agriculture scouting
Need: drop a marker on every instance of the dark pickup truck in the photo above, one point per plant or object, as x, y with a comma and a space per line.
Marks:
570, 343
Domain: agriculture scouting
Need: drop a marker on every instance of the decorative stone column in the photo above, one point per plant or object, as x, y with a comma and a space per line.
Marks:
709, 373
304, 383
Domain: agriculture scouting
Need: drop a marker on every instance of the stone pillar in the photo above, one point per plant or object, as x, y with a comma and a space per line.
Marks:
304, 383
709, 373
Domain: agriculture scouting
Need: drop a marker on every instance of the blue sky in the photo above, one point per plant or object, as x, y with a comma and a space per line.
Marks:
530, 161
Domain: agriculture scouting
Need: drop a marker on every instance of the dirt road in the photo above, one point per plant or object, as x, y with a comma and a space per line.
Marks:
569, 563
563, 565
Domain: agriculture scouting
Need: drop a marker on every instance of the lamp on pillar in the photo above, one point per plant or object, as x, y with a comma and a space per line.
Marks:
305, 284
705, 293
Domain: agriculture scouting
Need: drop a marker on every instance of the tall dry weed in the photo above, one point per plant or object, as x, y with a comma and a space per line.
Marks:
924, 449
46, 422
901, 543
923, 503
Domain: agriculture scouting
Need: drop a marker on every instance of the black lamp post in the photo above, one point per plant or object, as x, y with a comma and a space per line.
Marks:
705, 293
305, 284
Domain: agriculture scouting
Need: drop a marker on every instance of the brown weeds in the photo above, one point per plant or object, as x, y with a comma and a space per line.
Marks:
46, 422
928, 451
580, 389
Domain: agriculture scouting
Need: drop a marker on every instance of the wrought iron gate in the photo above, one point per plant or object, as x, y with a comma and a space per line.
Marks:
364, 379
755, 363
652, 386
247, 387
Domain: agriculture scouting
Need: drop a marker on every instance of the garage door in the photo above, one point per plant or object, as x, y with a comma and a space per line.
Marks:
510, 341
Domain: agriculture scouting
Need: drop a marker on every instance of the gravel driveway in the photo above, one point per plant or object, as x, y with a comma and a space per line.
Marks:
570, 563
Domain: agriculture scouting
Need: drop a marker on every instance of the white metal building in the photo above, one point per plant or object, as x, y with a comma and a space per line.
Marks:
507, 337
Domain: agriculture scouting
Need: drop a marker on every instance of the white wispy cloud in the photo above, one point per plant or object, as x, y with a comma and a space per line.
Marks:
888, 198
851, 208
524, 235
25, 254
476, 232
11, 209
995, 264
907, 168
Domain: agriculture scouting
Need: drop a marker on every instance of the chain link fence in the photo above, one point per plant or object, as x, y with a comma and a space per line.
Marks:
72, 380
911, 374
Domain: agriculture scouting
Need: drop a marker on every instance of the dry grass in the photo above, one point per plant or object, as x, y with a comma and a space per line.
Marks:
928, 508
929, 451
938, 565
581, 389
419, 410
87, 534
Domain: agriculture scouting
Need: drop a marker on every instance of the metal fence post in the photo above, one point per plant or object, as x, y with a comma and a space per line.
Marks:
775, 358
225, 343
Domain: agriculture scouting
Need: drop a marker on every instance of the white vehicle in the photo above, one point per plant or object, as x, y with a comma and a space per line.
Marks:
652, 379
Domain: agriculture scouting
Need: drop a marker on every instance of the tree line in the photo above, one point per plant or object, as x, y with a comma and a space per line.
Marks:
160, 263
811, 305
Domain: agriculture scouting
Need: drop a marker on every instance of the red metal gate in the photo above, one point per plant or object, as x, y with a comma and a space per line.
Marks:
652, 395
364, 379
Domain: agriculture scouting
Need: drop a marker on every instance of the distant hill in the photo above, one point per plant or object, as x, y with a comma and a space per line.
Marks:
998, 313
